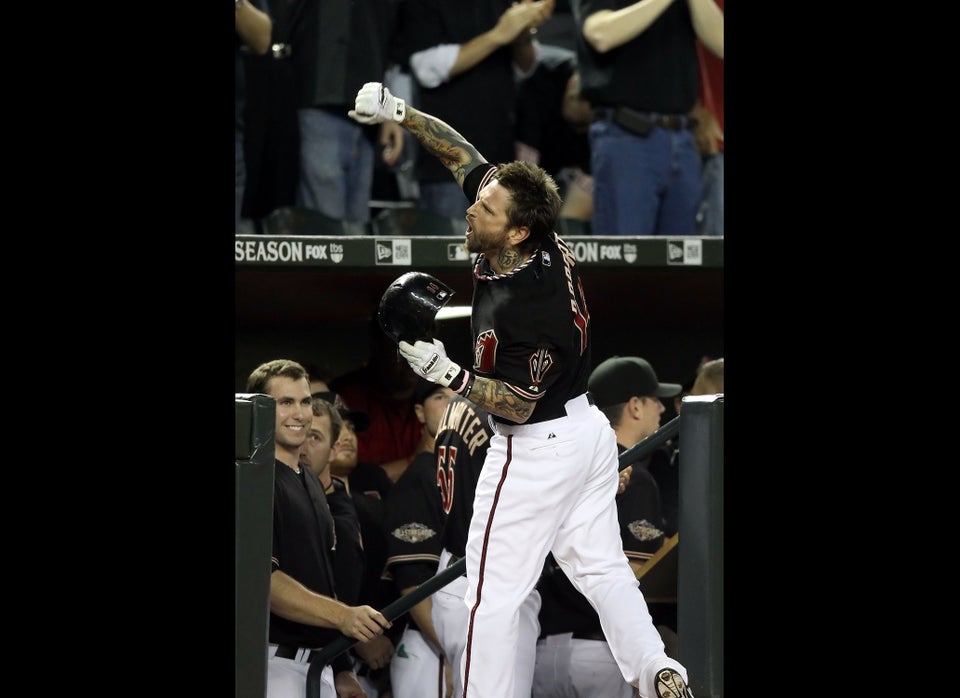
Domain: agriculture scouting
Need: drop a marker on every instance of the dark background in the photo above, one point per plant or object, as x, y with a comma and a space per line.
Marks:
670, 316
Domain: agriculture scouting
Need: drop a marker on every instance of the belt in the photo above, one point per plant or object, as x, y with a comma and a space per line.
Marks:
301, 655
641, 123
589, 635
279, 51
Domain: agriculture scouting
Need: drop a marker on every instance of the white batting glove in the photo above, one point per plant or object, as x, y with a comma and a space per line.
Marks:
375, 105
429, 359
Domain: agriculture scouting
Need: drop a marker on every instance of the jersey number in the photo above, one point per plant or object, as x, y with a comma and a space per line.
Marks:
446, 459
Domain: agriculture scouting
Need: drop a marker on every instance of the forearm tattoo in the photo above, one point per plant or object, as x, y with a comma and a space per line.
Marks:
442, 140
496, 398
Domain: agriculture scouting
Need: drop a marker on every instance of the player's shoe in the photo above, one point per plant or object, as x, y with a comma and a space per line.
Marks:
669, 684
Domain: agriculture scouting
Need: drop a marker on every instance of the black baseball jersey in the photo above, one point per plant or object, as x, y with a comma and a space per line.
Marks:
563, 608
463, 438
413, 520
370, 487
349, 558
539, 348
303, 545
665, 469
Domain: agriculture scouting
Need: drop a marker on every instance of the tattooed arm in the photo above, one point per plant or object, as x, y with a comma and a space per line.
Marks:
442, 140
495, 397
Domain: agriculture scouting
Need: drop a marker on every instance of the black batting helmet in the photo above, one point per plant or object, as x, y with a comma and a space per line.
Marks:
410, 304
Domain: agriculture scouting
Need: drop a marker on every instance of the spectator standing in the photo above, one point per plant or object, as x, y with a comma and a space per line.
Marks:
338, 46
253, 27
413, 520
709, 134
638, 70
548, 137
550, 477
272, 134
305, 613
463, 55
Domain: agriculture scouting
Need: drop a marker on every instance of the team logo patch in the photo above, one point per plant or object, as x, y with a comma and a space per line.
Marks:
670, 684
413, 533
644, 530
540, 362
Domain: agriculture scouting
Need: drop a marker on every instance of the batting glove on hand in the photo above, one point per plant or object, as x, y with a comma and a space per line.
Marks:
669, 684
375, 105
429, 359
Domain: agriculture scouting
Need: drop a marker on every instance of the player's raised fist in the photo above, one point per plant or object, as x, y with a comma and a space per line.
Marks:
375, 104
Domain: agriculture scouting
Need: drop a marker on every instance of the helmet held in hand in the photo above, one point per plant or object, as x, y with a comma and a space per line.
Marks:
409, 306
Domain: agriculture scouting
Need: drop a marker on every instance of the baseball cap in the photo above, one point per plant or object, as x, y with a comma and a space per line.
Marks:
424, 389
619, 378
361, 420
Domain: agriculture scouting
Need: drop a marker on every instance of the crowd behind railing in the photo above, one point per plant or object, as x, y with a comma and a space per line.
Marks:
623, 107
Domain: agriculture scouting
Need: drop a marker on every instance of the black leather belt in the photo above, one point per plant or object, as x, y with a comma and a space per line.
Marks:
642, 123
290, 652
589, 635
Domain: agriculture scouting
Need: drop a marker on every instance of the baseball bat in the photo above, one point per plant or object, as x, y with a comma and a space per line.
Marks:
403, 604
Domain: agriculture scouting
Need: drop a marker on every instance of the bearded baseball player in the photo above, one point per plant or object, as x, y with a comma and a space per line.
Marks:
550, 476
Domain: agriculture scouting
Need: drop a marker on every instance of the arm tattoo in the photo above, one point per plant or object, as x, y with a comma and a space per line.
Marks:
496, 398
442, 140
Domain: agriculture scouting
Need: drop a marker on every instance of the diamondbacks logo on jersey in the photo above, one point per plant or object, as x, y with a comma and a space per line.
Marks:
485, 352
540, 363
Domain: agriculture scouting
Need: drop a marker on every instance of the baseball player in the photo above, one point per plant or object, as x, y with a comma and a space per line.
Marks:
304, 611
413, 520
551, 472
461, 447
573, 651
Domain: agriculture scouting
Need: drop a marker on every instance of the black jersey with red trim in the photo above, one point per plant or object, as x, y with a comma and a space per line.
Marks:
463, 438
531, 326
303, 548
413, 521
349, 558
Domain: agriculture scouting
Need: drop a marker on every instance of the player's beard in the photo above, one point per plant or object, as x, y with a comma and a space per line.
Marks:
478, 242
